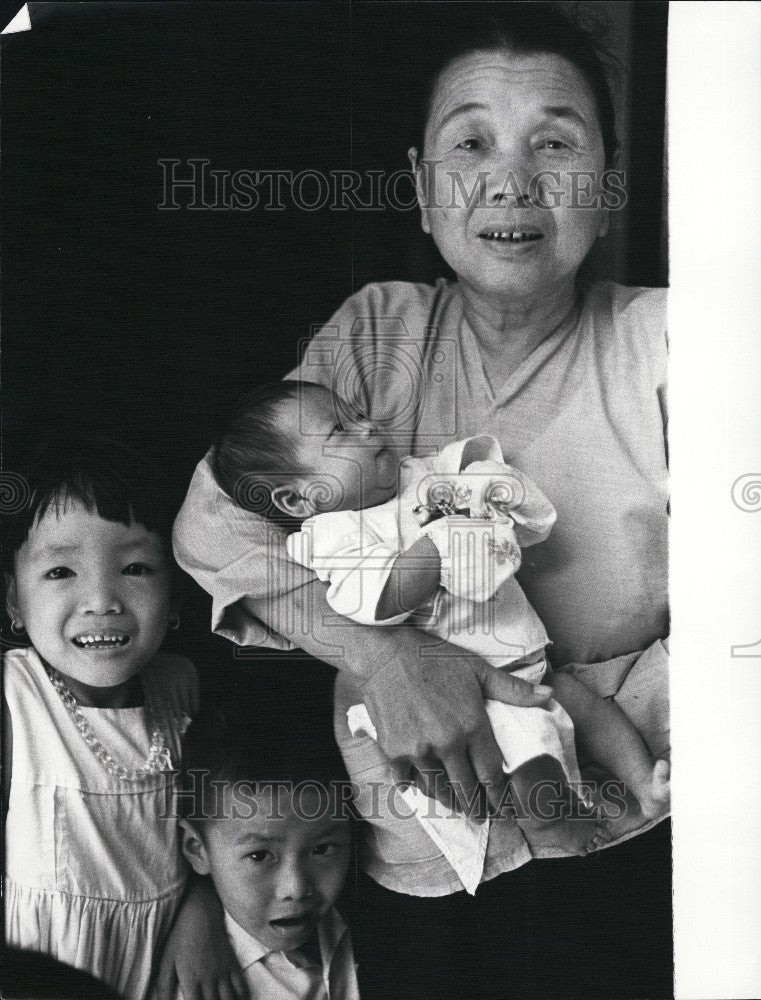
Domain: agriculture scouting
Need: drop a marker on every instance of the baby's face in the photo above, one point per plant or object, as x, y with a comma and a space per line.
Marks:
350, 464
277, 872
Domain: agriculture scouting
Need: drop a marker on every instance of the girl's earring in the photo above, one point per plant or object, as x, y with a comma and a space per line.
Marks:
174, 622
17, 627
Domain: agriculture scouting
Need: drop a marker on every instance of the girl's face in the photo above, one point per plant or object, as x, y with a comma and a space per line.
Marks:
93, 595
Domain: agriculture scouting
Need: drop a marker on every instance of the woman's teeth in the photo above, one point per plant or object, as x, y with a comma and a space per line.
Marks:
510, 236
84, 641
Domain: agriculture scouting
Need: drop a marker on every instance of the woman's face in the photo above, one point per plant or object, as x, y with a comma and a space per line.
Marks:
511, 183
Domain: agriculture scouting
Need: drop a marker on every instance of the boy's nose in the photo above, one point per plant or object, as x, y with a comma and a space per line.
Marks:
295, 883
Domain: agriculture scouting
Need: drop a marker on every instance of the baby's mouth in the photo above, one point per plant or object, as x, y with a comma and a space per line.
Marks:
98, 640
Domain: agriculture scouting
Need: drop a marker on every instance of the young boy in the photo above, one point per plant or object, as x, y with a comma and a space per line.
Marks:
264, 804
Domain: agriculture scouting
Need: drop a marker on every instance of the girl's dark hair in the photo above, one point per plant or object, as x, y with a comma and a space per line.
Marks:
523, 29
106, 476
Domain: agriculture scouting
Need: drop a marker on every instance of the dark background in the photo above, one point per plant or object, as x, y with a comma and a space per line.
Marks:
147, 323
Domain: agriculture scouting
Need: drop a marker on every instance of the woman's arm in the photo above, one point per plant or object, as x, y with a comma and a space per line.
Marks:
425, 696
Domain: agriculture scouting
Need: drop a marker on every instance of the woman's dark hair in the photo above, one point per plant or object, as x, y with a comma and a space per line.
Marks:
106, 476
523, 29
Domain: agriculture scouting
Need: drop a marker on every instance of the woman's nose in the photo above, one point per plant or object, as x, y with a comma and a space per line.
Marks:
295, 882
511, 179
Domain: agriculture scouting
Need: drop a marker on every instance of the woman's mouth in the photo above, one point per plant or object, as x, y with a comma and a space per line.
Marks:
510, 236
99, 640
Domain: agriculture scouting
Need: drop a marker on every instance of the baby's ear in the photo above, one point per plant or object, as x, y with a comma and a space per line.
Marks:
289, 501
194, 849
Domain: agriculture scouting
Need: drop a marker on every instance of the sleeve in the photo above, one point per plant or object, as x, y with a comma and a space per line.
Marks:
501, 490
639, 684
477, 555
371, 352
354, 563
233, 553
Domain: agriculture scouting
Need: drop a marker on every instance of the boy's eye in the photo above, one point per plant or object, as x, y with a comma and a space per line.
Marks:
259, 856
59, 573
325, 850
137, 569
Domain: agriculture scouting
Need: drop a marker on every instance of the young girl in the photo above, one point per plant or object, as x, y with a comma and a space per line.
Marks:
93, 716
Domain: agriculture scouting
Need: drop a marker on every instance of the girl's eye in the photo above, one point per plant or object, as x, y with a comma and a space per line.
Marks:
137, 569
59, 573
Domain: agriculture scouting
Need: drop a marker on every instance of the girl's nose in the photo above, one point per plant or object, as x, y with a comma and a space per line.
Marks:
101, 597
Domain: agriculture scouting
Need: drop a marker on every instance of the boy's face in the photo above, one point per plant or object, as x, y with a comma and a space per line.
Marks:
94, 596
349, 460
277, 872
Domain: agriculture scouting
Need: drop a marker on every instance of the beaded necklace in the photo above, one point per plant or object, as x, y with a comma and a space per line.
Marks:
158, 759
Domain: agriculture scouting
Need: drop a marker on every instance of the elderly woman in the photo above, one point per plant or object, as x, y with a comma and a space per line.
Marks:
569, 377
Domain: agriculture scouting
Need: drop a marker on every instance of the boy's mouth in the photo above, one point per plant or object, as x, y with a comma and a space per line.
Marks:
100, 640
301, 922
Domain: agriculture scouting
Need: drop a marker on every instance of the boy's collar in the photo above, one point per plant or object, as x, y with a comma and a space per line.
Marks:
248, 950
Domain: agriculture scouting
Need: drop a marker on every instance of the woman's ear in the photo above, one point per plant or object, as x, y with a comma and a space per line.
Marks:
194, 849
289, 501
421, 187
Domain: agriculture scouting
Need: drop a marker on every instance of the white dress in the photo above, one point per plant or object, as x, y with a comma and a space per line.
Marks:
93, 873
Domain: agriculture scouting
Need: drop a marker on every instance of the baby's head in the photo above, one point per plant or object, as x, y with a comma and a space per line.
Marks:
265, 810
87, 562
297, 449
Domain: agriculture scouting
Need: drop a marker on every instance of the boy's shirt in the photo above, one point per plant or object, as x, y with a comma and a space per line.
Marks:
278, 975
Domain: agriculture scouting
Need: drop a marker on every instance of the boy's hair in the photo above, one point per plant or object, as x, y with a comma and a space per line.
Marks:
249, 455
269, 734
106, 476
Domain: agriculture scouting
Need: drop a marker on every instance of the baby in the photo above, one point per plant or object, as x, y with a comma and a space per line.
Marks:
436, 542
265, 814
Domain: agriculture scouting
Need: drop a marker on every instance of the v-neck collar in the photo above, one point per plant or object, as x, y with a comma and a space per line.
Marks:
520, 375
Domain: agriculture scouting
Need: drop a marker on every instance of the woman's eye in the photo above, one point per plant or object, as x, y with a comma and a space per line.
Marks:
59, 573
137, 569
469, 144
555, 145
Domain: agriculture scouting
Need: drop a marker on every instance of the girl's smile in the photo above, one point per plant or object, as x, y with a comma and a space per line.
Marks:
93, 596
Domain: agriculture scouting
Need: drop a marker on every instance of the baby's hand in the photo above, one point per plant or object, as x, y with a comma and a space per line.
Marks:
198, 955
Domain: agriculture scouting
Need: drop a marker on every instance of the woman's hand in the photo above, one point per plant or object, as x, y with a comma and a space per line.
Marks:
198, 955
429, 714
427, 703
